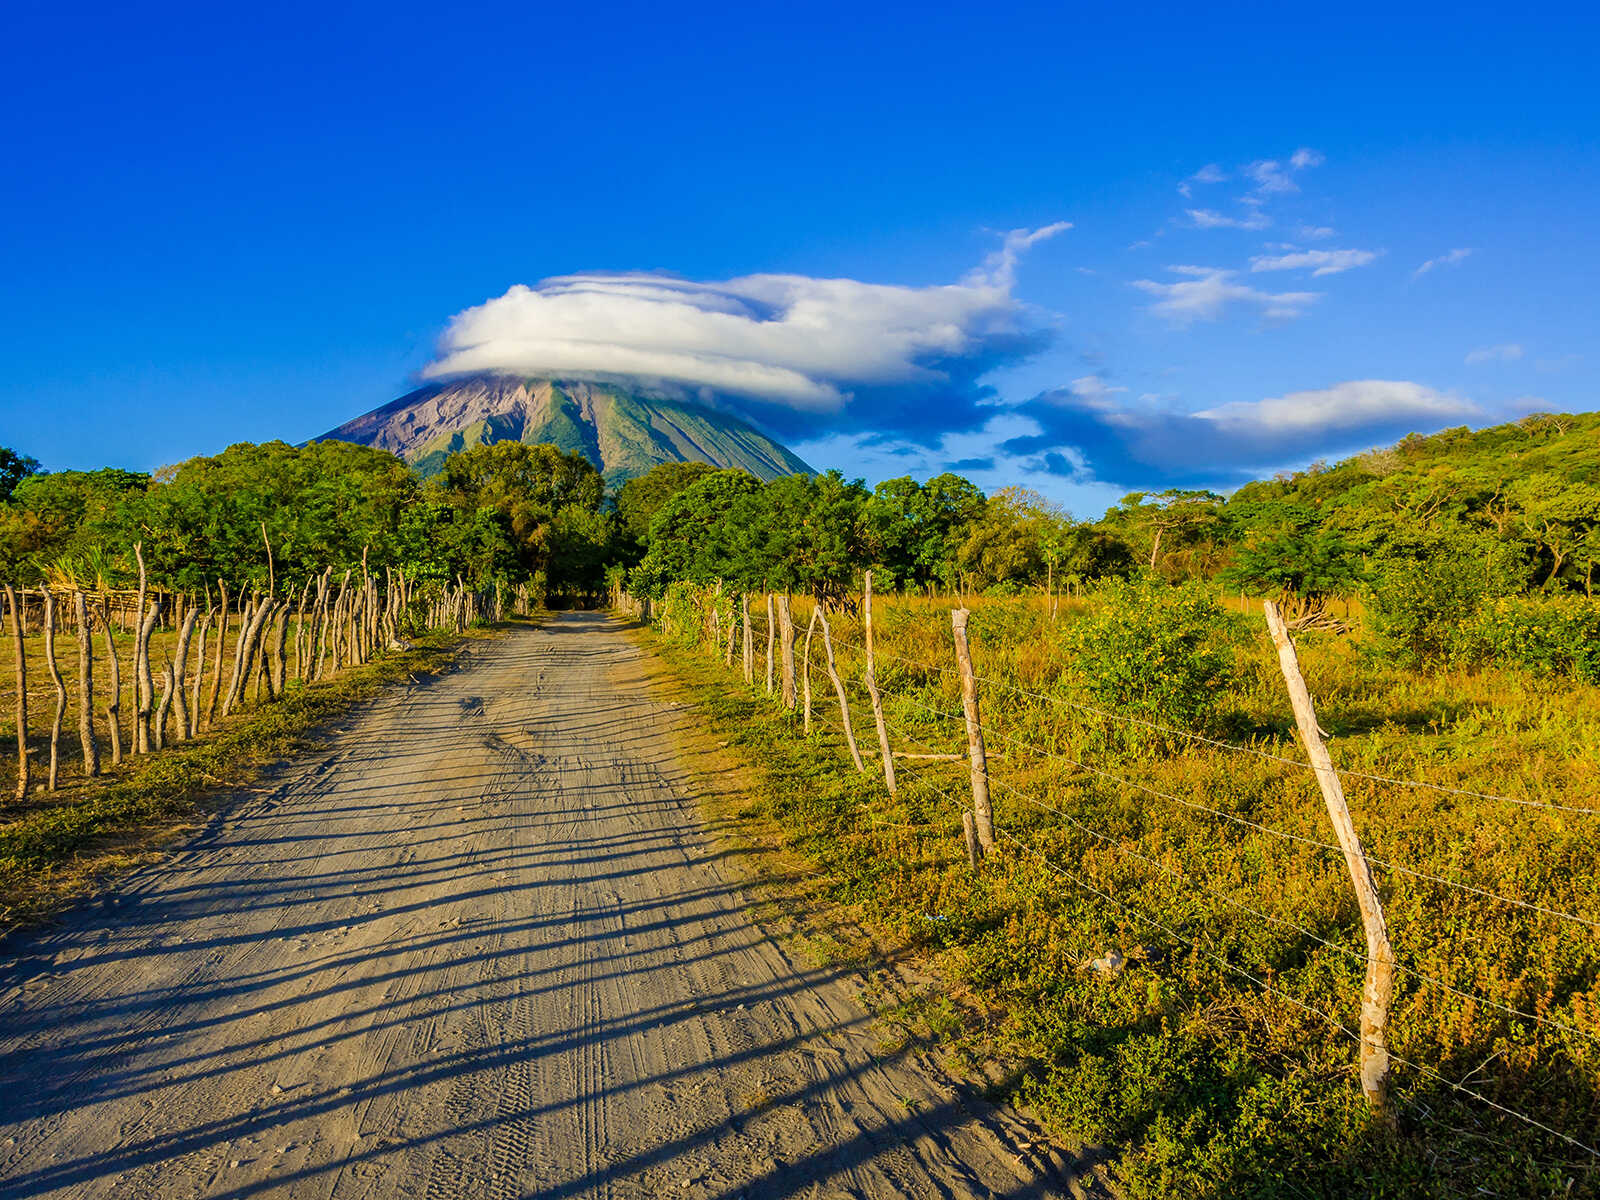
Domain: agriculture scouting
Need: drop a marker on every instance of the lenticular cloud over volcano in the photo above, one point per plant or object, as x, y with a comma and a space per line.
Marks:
792, 342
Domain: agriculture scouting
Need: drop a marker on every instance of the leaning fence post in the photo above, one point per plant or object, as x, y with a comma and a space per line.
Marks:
1379, 985
982, 815
838, 687
872, 685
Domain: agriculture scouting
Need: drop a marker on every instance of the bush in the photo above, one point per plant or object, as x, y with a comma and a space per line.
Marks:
1558, 635
1155, 651
1419, 606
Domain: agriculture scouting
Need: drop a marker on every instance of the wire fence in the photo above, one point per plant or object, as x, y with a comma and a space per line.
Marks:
1560, 1016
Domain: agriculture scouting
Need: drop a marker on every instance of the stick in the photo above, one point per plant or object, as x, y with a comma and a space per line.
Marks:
180, 669
1379, 986
772, 637
982, 815
786, 645
872, 687
805, 667
838, 686
142, 685
91, 752
749, 639
114, 704
216, 666
60, 685
22, 693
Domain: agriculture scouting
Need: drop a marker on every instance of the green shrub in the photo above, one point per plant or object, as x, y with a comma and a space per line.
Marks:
1558, 635
1152, 650
1419, 606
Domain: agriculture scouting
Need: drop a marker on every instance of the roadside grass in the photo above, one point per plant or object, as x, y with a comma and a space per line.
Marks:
1209, 1060
66, 843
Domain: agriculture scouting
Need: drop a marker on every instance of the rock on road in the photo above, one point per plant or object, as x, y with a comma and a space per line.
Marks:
480, 945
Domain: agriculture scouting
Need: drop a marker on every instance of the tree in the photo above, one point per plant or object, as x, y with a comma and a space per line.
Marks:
1167, 523
917, 529
544, 495
14, 468
638, 500
691, 538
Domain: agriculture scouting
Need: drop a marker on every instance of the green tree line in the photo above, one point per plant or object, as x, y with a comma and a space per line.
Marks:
1463, 543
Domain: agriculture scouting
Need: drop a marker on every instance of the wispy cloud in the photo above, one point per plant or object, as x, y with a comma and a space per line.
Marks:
1207, 291
1207, 218
1210, 173
1306, 157
1270, 177
1448, 259
1321, 262
1317, 233
1000, 268
1509, 352
1563, 362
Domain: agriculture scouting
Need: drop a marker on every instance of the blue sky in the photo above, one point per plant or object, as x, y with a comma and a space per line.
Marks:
224, 225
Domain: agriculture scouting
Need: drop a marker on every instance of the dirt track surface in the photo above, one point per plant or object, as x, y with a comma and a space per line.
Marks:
481, 946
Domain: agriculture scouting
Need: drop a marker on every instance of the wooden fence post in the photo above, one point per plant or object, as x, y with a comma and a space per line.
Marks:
772, 639
872, 685
91, 752
59, 683
114, 703
216, 666
805, 667
22, 693
982, 815
749, 640
838, 686
1379, 986
786, 649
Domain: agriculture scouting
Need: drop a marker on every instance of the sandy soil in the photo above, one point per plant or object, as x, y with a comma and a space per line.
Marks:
481, 946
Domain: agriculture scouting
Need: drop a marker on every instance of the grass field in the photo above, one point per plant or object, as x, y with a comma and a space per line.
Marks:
1219, 1060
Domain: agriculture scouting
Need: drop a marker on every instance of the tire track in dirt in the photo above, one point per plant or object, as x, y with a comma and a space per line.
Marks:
480, 946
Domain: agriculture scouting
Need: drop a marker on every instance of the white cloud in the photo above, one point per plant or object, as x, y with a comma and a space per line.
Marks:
1207, 218
1317, 233
1342, 409
1322, 262
790, 340
1208, 290
1093, 389
1509, 352
1210, 173
1000, 268
1270, 178
1306, 157
1448, 259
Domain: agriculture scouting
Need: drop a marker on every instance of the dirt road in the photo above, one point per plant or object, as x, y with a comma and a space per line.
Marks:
481, 946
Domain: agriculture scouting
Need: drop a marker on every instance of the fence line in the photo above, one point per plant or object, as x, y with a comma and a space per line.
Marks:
1240, 905
1221, 744
980, 773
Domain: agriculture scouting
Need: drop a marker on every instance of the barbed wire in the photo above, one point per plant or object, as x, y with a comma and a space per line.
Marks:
1191, 735
1328, 1018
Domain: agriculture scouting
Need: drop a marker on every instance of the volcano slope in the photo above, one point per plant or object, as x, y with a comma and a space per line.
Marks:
481, 945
